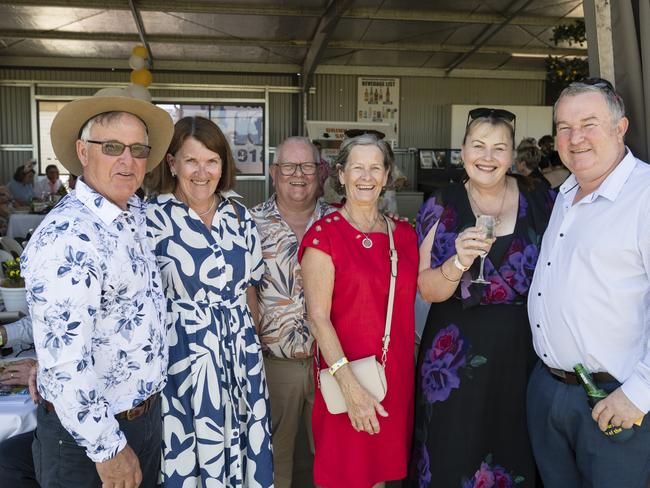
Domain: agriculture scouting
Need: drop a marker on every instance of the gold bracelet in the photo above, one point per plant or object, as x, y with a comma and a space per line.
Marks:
340, 362
445, 276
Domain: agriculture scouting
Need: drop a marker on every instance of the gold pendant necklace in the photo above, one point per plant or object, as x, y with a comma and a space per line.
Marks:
497, 217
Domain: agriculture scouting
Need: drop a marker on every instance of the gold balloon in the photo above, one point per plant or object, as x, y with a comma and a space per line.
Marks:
141, 77
140, 51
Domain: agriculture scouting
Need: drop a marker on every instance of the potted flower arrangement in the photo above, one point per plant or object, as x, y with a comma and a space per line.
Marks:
12, 287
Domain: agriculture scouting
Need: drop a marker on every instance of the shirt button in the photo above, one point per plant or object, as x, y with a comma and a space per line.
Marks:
538, 326
545, 355
539, 294
548, 264
561, 235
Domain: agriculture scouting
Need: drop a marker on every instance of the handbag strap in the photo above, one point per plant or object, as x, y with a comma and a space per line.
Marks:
391, 292
391, 299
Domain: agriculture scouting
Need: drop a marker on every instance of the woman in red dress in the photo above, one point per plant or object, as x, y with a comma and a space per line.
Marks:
346, 271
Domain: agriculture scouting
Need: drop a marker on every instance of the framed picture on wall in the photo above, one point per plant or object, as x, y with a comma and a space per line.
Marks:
455, 159
426, 159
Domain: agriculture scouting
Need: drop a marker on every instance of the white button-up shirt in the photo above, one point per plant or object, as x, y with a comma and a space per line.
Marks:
590, 298
96, 302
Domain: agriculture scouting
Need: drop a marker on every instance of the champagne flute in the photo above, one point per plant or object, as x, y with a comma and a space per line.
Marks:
485, 223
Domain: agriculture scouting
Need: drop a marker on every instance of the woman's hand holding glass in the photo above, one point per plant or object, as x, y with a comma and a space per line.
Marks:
472, 243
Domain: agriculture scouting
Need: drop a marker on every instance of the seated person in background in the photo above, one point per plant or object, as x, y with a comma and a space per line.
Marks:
6, 208
21, 185
50, 185
388, 201
16, 461
551, 165
527, 160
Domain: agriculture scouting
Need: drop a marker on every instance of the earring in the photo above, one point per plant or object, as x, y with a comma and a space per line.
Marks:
173, 174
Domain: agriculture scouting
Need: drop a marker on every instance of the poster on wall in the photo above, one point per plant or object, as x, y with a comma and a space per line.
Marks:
378, 100
243, 126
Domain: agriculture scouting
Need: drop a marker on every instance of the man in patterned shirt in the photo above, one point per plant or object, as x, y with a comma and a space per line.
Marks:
283, 329
96, 302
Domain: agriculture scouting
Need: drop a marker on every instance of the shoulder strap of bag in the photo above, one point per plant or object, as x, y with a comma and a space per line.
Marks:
391, 298
391, 291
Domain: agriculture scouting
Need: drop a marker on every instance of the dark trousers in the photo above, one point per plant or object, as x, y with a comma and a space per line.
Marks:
16, 462
570, 450
61, 463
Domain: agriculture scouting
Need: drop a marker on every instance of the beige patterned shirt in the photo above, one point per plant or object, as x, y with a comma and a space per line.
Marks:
284, 330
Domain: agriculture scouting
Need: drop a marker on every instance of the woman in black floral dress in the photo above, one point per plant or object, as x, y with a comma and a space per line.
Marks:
476, 351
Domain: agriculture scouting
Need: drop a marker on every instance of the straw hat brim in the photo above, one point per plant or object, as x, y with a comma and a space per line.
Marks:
69, 121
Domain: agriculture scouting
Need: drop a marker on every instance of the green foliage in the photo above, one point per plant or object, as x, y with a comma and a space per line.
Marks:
11, 269
564, 70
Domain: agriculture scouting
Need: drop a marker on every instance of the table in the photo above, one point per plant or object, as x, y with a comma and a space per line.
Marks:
17, 419
21, 223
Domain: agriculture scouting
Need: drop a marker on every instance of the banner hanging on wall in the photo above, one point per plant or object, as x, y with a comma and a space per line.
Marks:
378, 100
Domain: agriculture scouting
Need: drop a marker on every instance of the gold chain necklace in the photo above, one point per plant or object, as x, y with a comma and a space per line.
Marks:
367, 241
497, 217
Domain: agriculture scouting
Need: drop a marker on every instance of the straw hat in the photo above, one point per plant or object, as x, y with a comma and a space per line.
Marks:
69, 121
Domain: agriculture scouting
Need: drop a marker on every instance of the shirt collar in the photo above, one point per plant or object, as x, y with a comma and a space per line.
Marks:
611, 187
101, 206
273, 211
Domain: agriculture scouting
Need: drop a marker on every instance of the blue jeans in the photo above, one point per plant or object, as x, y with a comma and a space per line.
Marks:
570, 450
61, 463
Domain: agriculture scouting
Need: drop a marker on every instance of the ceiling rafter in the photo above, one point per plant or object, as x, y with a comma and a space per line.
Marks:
299, 43
322, 35
137, 18
204, 7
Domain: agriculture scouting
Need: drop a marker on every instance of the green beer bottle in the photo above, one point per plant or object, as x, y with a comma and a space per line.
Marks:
594, 395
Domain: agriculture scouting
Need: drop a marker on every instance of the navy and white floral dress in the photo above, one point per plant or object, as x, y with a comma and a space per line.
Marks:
216, 426
476, 353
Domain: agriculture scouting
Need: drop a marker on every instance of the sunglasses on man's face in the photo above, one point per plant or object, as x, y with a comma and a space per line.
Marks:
114, 148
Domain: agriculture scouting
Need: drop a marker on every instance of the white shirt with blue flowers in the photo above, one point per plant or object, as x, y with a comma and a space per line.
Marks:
95, 298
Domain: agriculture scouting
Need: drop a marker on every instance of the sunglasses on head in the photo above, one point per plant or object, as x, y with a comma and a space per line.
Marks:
114, 148
484, 112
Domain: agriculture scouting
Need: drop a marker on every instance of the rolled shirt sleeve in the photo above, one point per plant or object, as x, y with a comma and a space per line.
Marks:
64, 293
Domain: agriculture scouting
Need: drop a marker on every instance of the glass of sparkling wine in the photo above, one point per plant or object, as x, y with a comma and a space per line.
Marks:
485, 223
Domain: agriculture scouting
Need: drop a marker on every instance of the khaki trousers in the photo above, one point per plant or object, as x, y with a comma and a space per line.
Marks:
291, 391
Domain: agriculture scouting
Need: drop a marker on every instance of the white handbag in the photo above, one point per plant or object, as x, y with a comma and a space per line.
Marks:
368, 371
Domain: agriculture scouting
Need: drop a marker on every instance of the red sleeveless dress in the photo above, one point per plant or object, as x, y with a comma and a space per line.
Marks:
344, 457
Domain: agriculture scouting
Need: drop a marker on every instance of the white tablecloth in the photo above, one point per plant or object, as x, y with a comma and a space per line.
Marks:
21, 223
17, 419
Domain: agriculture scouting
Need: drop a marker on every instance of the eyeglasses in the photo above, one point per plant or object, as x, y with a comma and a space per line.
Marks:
484, 112
114, 148
289, 169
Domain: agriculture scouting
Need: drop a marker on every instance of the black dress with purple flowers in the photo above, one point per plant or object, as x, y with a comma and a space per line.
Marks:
476, 353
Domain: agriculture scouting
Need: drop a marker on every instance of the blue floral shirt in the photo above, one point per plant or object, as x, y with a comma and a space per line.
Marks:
96, 302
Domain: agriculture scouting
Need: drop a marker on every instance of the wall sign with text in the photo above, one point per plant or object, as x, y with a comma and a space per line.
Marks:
378, 100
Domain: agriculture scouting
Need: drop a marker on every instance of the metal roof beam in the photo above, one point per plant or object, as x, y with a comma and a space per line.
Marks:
299, 43
210, 66
141, 32
323, 34
205, 7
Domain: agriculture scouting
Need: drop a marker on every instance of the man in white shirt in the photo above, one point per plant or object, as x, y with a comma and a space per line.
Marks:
95, 299
590, 301
49, 185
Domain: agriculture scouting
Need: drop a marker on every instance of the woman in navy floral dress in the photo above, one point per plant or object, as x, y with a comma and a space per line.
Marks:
476, 351
216, 425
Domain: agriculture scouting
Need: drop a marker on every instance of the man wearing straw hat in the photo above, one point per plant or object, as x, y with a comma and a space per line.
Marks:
96, 302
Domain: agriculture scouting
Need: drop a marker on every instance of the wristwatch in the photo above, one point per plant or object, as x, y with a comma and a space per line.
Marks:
460, 265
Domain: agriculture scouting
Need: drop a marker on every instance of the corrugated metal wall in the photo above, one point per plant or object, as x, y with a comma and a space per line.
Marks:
15, 128
335, 98
424, 119
122, 76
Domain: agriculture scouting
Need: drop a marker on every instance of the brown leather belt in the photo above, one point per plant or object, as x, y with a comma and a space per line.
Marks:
572, 379
130, 414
